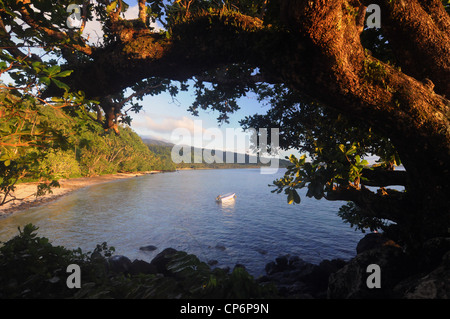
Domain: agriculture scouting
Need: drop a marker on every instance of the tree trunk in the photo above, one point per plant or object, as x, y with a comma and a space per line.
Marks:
402, 108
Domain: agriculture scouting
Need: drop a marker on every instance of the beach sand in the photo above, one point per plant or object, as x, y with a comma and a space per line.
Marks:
25, 197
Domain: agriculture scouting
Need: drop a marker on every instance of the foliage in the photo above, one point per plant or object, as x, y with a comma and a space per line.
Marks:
163, 155
31, 267
336, 146
61, 164
48, 139
27, 127
334, 149
104, 152
352, 214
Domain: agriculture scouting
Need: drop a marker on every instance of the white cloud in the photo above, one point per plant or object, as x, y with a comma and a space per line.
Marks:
168, 124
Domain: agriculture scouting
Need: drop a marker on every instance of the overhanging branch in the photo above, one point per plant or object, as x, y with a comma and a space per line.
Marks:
382, 178
385, 205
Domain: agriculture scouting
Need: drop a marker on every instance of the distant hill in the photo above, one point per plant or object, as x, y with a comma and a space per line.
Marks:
210, 158
151, 141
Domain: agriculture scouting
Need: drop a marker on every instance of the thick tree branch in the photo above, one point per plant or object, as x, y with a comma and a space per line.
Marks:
419, 33
142, 11
385, 205
382, 178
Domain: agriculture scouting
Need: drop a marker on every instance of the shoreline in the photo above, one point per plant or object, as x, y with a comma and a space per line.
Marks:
26, 199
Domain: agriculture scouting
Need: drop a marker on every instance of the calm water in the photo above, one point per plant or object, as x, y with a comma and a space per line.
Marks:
178, 210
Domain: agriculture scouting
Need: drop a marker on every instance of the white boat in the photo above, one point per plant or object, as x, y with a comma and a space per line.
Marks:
226, 197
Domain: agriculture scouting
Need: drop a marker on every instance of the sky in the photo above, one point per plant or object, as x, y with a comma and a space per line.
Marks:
166, 119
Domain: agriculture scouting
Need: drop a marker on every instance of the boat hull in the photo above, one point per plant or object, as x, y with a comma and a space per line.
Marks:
226, 197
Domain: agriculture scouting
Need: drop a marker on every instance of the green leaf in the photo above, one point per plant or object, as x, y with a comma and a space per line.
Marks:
45, 80
290, 198
296, 197
63, 74
53, 70
61, 85
37, 66
302, 159
352, 150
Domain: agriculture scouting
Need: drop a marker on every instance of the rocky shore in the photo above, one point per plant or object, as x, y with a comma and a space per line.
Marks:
423, 276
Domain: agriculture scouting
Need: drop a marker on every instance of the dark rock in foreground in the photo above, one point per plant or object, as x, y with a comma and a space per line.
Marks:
423, 275
403, 276
142, 267
351, 280
426, 274
119, 264
296, 278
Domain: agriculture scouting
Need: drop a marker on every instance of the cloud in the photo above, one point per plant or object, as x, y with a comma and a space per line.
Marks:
167, 124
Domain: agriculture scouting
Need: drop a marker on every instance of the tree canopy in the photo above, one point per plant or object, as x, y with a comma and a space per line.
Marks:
340, 91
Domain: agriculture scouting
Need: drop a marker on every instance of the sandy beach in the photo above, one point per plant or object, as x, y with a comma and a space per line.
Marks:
25, 192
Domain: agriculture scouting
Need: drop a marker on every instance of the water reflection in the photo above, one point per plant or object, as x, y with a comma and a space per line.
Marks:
227, 207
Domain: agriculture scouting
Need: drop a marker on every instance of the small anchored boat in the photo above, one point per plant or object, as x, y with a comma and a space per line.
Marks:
226, 197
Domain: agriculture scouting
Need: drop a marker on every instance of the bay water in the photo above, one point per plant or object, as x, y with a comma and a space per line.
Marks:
179, 210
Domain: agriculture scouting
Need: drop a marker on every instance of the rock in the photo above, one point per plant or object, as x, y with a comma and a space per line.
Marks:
372, 241
316, 277
119, 264
161, 260
282, 262
220, 247
434, 280
261, 251
212, 262
142, 267
332, 266
434, 285
148, 248
350, 281
433, 251
297, 278
292, 261
270, 268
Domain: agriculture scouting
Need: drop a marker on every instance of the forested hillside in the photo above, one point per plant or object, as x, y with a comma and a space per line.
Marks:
209, 158
91, 151
42, 143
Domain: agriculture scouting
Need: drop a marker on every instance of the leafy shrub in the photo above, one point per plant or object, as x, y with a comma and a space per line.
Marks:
31, 267
61, 164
